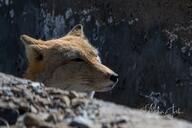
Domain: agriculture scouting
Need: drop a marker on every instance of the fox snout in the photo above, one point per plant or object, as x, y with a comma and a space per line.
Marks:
110, 77
113, 77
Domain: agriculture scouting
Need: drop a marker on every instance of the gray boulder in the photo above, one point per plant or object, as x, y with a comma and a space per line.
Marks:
24, 103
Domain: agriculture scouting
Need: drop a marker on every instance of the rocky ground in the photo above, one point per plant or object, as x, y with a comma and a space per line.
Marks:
27, 104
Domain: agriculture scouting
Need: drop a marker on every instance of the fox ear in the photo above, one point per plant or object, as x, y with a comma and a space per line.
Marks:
27, 40
33, 48
77, 31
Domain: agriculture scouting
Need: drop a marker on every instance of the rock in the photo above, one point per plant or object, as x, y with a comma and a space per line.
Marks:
8, 115
23, 108
32, 120
66, 100
55, 117
33, 109
55, 92
78, 102
81, 122
119, 122
69, 113
73, 94
55, 108
62, 125
121, 116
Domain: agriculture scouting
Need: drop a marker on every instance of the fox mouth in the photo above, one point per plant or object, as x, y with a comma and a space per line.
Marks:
107, 88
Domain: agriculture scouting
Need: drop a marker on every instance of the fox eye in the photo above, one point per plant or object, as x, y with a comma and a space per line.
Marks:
77, 60
39, 57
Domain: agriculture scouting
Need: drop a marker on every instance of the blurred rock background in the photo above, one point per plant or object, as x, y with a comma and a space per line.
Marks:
148, 43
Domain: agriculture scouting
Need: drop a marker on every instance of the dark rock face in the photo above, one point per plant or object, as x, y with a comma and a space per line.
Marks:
148, 43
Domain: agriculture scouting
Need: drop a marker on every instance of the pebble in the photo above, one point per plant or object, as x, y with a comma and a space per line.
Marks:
33, 109
81, 122
78, 102
54, 91
37, 87
23, 108
73, 94
32, 120
66, 100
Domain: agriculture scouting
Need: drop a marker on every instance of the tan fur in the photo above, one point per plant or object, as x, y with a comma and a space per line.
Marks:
52, 62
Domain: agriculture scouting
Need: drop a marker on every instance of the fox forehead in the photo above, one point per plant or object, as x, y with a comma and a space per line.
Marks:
73, 45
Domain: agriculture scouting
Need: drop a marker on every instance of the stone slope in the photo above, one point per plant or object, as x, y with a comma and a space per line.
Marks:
24, 103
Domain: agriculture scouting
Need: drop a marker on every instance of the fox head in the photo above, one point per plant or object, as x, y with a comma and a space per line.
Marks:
69, 63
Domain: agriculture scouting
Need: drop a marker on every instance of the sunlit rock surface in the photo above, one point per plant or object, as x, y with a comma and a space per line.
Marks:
24, 103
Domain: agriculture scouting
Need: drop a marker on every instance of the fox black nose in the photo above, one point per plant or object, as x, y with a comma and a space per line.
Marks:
114, 78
